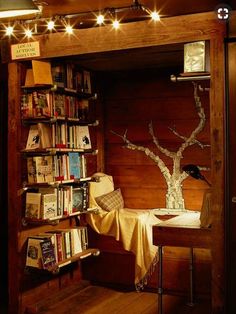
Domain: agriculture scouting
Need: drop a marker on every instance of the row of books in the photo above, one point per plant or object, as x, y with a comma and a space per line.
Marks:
67, 75
54, 203
47, 249
42, 103
58, 135
63, 167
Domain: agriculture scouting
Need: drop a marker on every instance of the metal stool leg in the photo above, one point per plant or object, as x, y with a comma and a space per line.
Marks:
191, 269
160, 288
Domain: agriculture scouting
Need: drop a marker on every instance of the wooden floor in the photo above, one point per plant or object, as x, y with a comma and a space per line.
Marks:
102, 300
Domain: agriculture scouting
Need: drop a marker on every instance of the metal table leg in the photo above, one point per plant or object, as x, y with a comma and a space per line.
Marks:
191, 269
160, 288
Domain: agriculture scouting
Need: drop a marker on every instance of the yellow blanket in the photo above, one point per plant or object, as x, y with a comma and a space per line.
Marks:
132, 227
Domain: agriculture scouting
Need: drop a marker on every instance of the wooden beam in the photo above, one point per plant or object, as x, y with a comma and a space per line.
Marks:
131, 35
217, 122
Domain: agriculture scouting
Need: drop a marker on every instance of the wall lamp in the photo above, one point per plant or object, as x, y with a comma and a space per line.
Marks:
11, 8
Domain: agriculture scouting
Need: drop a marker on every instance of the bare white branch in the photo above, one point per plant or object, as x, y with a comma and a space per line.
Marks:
156, 142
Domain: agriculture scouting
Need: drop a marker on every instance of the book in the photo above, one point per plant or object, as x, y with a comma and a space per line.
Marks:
59, 105
41, 107
33, 205
42, 72
83, 137
58, 75
49, 206
34, 251
45, 134
76, 246
34, 255
43, 169
27, 105
83, 109
48, 254
31, 170
87, 82
77, 199
33, 141
74, 165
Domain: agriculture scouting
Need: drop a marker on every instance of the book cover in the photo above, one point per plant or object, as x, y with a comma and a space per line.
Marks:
83, 137
59, 105
33, 141
42, 73
74, 165
77, 199
41, 106
33, 256
58, 75
27, 105
29, 77
49, 206
44, 168
34, 252
48, 254
31, 170
45, 134
87, 82
75, 241
33, 205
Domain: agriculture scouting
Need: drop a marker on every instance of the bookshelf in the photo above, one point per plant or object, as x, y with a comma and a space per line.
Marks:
44, 180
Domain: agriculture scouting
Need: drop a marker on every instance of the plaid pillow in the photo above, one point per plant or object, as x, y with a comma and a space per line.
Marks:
111, 201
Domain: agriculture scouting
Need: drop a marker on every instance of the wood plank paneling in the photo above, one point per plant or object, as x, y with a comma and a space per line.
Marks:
132, 100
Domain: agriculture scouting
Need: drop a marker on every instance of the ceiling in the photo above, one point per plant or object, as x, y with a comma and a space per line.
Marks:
165, 8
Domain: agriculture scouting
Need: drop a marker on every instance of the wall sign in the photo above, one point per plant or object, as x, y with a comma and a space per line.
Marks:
25, 50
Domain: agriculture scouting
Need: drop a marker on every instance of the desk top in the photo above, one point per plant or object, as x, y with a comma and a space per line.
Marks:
182, 232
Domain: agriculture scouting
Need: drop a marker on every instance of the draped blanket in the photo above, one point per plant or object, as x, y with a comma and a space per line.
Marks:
132, 227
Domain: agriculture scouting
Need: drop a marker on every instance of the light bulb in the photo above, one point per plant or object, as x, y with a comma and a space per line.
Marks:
28, 33
51, 25
69, 29
155, 16
9, 30
116, 24
100, 19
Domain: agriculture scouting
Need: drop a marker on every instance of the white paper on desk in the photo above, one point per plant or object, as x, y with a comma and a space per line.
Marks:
188, 219
170, 211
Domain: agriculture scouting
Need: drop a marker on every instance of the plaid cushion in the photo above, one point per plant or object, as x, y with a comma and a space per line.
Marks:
111, 201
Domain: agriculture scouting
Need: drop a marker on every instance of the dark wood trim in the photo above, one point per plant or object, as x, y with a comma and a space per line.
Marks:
179, 29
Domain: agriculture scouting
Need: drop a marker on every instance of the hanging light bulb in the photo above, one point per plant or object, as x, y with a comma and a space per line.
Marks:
100, 19
50, 25
9, 30
155, 16
116, 24
69, 29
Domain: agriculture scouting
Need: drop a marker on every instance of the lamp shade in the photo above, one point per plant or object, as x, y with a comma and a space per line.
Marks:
11, 8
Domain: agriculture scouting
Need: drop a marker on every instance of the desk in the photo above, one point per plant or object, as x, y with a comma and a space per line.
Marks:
191, 236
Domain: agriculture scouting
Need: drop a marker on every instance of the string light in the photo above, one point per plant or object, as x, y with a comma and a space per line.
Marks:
69, 29
100, 19
28, 33
116, 24
80, 20
50, 25
155, 16
9, 30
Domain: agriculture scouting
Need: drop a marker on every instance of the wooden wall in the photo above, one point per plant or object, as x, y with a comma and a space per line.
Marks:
133, 99
3, 189
130, 101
